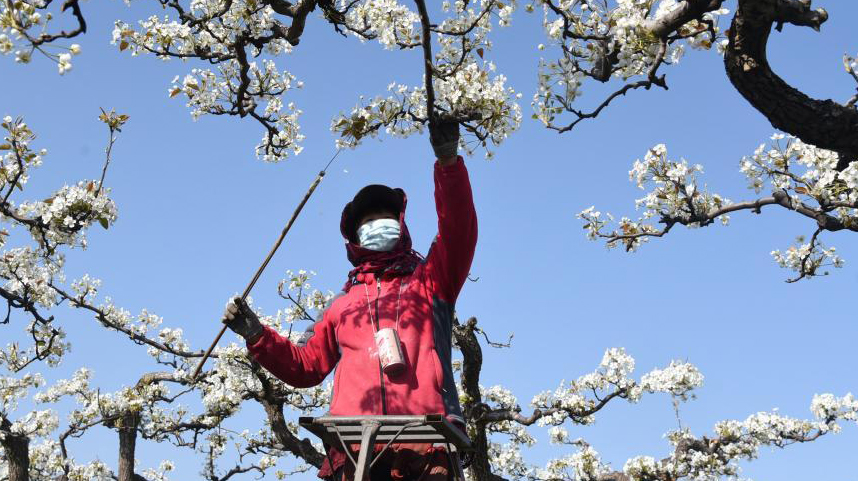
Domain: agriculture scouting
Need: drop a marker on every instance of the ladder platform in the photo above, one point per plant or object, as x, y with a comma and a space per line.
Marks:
402, 429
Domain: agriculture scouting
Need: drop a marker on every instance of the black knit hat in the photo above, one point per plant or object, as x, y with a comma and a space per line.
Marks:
374, 197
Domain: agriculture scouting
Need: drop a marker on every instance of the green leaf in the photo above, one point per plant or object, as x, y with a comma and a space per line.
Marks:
103, 222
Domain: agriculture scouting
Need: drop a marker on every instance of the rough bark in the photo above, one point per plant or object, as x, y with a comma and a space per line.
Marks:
823, 123
127, 444
16, 449
472, 353
689, 10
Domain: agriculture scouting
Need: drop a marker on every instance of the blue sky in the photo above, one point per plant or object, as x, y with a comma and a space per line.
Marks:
197, 213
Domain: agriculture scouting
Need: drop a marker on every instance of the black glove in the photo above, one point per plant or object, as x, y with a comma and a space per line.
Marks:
242, 320
444, 137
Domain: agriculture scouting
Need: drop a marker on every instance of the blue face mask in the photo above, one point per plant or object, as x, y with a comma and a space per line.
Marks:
379, 234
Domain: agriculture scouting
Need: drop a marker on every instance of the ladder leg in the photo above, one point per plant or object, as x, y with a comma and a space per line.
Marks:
369, 429
456, 471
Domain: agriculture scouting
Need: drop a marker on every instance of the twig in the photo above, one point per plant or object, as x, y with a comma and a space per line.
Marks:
803, 272
110, 141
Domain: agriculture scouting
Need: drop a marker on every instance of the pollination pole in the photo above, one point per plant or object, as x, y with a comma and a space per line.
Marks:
267, 259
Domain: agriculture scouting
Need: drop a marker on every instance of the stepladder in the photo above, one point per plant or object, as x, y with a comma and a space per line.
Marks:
373, 432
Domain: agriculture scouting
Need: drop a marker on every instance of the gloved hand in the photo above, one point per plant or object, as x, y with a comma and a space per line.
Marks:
242, 320
444, 137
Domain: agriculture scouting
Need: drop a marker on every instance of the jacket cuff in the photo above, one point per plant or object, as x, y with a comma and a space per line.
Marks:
266, 333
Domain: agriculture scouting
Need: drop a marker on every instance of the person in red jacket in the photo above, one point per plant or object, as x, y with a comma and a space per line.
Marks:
391, 287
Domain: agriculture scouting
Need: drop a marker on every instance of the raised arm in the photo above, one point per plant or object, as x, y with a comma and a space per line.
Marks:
450, 256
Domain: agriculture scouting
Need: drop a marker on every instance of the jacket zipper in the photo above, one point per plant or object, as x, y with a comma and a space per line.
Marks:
377, 328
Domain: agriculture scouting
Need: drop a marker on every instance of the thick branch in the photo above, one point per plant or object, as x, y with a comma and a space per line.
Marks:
823, 123
301, 448
687, 11
299, 18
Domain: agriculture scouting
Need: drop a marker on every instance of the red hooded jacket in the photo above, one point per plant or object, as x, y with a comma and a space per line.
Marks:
423, 300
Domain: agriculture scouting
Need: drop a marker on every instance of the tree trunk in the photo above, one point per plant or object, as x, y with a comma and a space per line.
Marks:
823, 123
472, 363
127, 444
17, 451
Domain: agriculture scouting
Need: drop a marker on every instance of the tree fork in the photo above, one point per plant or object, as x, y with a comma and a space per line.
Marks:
823, 123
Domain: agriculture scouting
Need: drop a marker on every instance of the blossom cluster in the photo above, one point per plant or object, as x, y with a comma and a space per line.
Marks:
807, 257
734, 440
47, 462
678, 379
470, 92
699, 458
27, 276
210, 92
810, 176
506, 460
828, 408
388, 21
583, 465
69, 212
47, 459
16, 156
810, 180
226, 35
675, 198
13, 390
49, 345
790, 164
809, 173
464, 85
306, 303
396, 113
610, 40
22, 25
612, 378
